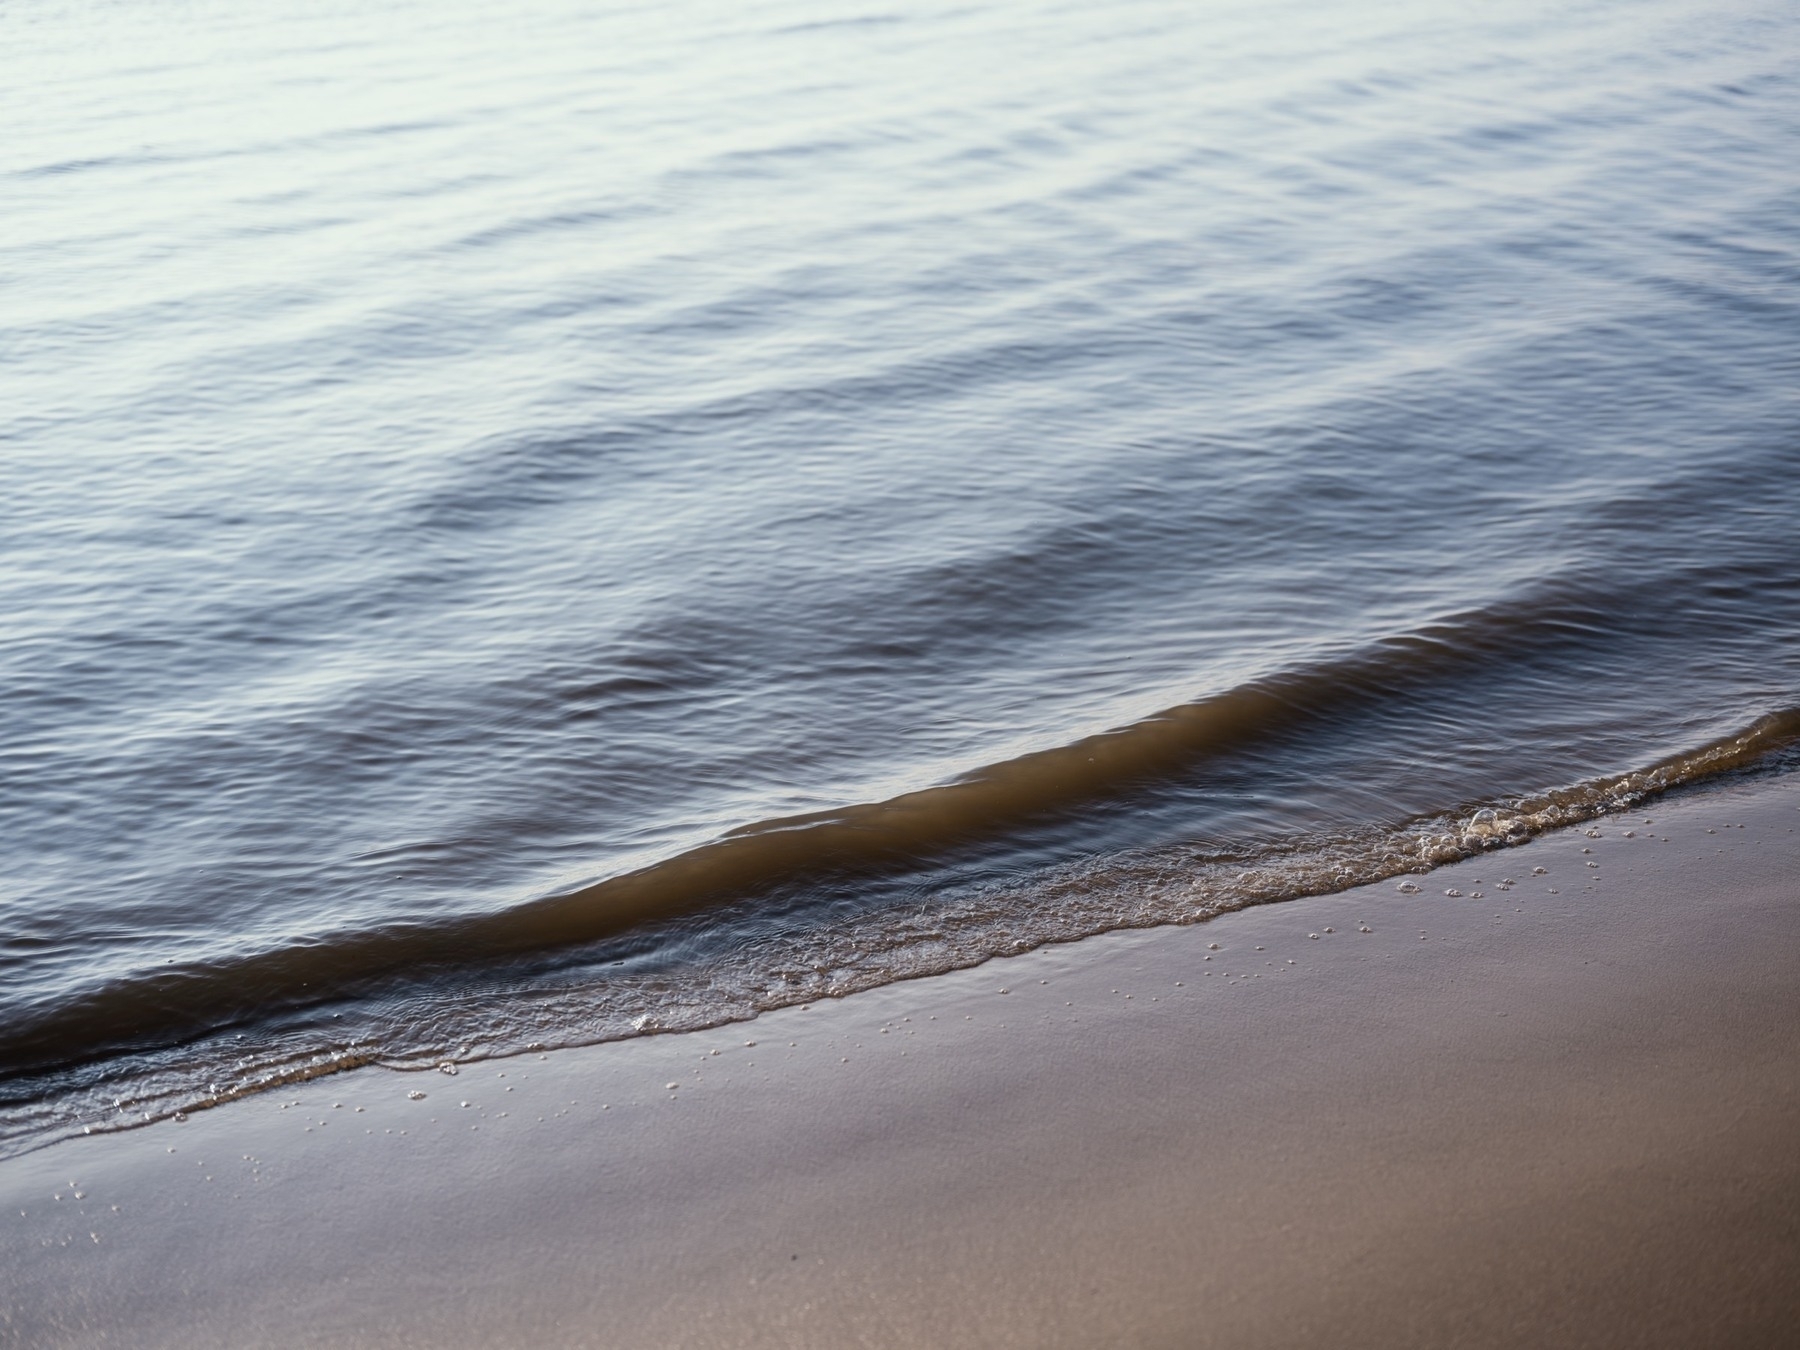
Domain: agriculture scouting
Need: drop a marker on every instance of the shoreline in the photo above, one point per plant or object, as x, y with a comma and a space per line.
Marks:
1559, 1114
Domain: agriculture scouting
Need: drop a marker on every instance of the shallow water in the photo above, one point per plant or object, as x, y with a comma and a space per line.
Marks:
534, 525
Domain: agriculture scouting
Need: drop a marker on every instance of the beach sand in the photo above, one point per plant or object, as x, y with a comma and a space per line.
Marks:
1563, 1114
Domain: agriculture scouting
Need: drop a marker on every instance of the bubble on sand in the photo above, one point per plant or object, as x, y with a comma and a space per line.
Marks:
415, 1096
447, 1066
1453, 891
1408, 888
1539, 871
1313, 936
1212, 946
1365, 929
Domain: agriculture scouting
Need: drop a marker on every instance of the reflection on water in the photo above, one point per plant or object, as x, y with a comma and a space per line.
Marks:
523, 526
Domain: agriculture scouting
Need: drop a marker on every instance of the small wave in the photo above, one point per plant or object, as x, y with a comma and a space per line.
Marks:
955, 929
908, 835
71, 1064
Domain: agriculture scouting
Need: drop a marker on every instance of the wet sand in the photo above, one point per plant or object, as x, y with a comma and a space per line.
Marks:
1562, 1114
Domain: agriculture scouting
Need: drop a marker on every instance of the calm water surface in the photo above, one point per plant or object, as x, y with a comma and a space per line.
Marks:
537, 523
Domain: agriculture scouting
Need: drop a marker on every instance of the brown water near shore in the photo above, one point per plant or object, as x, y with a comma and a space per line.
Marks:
1554, 1112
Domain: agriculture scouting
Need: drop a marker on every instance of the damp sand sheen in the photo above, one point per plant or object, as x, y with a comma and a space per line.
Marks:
1550, 1110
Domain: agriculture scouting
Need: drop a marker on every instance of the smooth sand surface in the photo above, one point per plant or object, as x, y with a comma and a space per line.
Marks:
1533, 1118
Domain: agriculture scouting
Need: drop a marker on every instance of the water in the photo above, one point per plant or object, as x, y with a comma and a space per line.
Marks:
533, 524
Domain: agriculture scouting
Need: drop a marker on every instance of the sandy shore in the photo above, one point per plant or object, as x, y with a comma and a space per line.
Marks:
1564, 1114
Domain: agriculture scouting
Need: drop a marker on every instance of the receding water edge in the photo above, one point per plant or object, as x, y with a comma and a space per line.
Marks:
1152, 888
